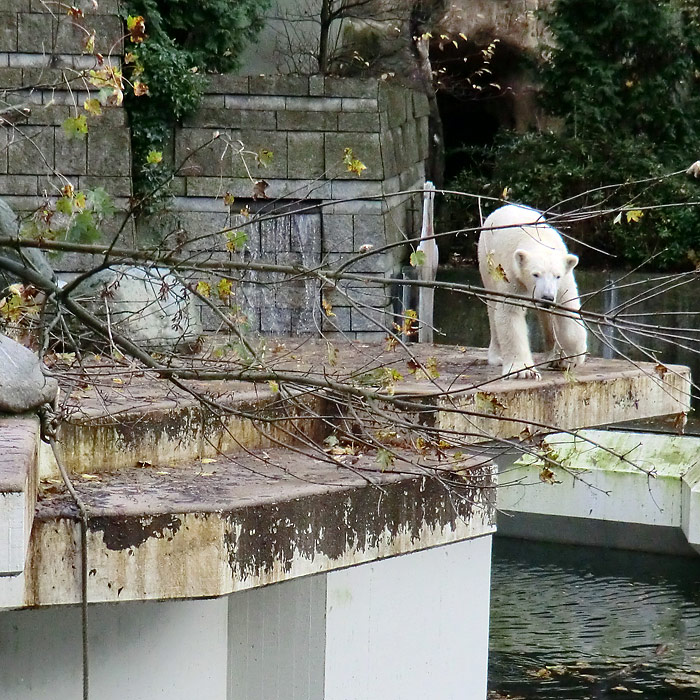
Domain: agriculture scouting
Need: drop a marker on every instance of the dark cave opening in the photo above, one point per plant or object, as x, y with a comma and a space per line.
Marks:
483, 88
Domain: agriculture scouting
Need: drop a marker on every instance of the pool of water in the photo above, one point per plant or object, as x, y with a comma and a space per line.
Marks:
569, 623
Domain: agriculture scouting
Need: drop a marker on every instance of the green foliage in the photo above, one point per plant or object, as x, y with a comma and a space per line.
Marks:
75, 216
172, 43
624, 83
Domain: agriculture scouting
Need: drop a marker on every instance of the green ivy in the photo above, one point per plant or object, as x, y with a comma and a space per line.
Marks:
183, 41
624, 83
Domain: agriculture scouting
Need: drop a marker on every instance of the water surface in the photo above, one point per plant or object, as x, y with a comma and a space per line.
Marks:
569, 623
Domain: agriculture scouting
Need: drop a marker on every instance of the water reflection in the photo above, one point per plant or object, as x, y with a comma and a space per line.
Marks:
658, 300
569, 623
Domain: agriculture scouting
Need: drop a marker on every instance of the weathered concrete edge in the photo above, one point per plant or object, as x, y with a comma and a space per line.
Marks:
167, 432
599, 501
570, 404
196, 554
19, 441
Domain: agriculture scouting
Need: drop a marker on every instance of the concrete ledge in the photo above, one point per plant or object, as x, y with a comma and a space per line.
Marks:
19, 439
209, 529
646, 501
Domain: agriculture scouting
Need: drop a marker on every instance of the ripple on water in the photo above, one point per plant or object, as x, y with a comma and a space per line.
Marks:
583, 622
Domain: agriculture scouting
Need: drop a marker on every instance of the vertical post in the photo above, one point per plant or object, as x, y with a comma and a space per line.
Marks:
428, 269
611, 302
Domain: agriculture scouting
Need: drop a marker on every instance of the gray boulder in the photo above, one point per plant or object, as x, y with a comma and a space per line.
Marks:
32, 257
23, 386
147, 305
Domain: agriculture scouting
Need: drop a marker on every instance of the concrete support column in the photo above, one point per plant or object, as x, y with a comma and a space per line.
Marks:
174, 650
410, 627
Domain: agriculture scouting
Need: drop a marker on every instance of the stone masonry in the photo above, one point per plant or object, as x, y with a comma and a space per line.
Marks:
307, 122
42, 68
323, 213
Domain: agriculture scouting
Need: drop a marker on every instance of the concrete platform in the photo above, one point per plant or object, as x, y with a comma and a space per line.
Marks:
116, 416
208, 529
618, 489
187, 502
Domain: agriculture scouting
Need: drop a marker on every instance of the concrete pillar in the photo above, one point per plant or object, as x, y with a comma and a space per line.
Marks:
410, 627
174, 650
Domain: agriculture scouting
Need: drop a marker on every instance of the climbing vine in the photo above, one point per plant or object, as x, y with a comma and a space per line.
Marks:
172, 44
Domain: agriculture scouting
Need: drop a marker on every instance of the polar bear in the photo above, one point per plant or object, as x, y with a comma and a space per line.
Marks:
519, 253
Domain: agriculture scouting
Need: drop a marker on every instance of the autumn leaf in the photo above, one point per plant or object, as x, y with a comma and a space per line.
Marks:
75, 127
224, 289
264, 157
74, 11
408, 327
391, 342
679, 423
495, 271
485, 402
352, 164
229, 199
432, 368
417, 258
136, 26
384, 459
203, 288
92, 106
154, 157
634, 215
89, 45
259, 190
274, 386
140, 88
327, 307
547, 476
661, 370
235, 240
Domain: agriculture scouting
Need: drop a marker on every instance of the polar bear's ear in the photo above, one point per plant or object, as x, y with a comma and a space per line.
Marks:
520, 258
570, 262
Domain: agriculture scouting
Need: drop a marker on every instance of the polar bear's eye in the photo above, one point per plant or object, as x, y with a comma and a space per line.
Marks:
536, 274
558, 277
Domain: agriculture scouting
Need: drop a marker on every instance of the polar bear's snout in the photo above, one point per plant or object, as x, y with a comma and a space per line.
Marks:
546, 287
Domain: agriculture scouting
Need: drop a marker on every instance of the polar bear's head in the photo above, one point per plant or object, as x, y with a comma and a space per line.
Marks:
542, 274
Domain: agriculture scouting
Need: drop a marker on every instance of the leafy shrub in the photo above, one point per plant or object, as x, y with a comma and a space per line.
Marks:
182, 41
623, 80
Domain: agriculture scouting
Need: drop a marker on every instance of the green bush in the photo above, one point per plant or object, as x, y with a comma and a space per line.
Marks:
624, 81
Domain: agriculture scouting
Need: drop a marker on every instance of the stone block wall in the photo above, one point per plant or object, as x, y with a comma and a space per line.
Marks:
316, 212
307, 122
42, 83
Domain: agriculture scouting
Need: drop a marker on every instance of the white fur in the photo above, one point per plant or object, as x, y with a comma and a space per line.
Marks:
517, 243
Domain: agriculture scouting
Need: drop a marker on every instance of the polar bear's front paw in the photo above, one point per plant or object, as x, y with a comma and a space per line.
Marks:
559, 361
520, 371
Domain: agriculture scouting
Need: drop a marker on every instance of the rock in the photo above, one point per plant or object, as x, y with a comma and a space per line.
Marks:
32, 257
147, 305
23, 386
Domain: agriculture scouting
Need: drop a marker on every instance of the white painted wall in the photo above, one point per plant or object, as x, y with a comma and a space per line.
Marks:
138, 651
414, 626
